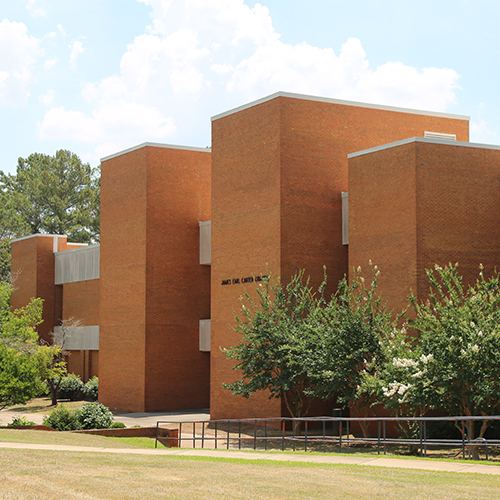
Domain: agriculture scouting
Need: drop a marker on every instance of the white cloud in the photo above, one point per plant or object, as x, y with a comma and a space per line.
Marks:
120, 123
17, 58
196, 51
47, 99
76, 50
311, 70
50, 63
480, 130
34, 10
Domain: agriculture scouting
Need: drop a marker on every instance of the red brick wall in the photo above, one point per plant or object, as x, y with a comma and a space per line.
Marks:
123, 281
316, 138
382, 220
421, 204
458, 218
153, 289
278, 171
177, 286
33, 269
83, 363
246, 178
81, 302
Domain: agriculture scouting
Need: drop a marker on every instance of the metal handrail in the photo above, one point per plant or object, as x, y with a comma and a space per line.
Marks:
344, 442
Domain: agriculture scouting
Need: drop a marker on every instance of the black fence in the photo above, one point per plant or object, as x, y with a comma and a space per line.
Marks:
327, 434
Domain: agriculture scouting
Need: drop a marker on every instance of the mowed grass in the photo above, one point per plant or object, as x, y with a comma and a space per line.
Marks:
73, 439
40, 475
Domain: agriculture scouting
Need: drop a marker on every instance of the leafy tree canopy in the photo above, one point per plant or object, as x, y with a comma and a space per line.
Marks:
19, 351
51, 194
348, 329
275, 336
451, 360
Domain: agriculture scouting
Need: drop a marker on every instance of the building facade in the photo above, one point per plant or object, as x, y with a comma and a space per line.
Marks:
291, 182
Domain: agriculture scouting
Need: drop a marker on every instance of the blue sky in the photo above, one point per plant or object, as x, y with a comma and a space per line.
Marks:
99, 76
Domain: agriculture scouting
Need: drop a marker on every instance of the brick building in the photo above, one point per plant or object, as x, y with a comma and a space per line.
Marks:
184, 231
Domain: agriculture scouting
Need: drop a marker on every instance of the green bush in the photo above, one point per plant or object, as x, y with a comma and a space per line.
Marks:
20, 421
118, 425
91, 389
94, 416
62, 419
71, 387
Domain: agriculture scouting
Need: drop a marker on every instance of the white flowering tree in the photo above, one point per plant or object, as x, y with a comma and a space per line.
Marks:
451, 362
460, 328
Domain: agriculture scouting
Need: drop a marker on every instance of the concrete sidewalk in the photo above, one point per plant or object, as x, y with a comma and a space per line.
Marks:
429, 465
129, 419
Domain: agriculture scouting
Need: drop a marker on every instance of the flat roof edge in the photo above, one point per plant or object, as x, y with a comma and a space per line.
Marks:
80, 249
155, 145
38, 235
341, 102
425, 140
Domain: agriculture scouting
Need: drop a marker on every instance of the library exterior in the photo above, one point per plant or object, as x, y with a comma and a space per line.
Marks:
291, 182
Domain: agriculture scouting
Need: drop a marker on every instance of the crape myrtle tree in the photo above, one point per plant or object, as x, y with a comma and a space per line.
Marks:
298, 345
347, 331
451, 361
277, 336
459, 335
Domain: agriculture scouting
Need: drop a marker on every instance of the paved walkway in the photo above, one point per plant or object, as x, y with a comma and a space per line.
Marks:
277, 457
129, 419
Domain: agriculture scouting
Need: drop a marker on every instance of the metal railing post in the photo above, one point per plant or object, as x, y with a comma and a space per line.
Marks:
420, 437
265, 434
239, 435
378, 438
463, 439
305, 441
283, 435
255, 435
340, 435
324, 436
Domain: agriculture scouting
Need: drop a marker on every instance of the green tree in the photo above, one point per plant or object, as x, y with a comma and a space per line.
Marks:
451, 360
348, 329
459, 333
275, 333
52, 194
19, 351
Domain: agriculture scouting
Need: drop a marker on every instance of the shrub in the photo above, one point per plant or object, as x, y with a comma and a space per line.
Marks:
20, 421
62, 419
94, 416
71, 387
91, 389
118, 425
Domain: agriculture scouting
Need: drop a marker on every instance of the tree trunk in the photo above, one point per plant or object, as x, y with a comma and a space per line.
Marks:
474, 448
54, 389
364, 425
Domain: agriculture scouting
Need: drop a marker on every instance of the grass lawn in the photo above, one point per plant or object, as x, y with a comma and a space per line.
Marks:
30, 474
72, 439
40, 475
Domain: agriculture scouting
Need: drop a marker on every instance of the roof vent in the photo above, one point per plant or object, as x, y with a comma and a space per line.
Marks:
439, 135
